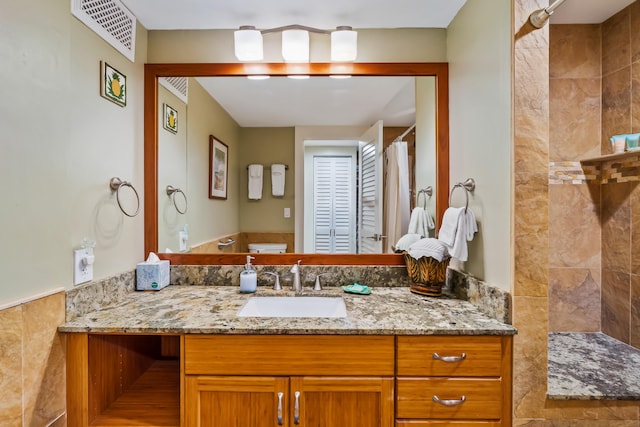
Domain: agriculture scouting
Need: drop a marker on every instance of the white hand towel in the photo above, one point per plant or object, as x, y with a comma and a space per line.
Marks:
449, 227
406, 241
467, 227
277, 180
431, 225
255, 182
429, 247
418, 222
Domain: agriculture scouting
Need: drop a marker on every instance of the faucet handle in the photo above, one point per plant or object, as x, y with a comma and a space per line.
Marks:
276, 284
318, 286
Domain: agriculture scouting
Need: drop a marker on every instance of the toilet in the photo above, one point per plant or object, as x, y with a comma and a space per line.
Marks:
267, 248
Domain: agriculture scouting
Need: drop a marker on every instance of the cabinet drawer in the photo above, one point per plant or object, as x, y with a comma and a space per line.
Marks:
289, 355
423, 423
482, 356
483, 398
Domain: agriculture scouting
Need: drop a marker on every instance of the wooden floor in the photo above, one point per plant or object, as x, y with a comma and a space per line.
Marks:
152, 401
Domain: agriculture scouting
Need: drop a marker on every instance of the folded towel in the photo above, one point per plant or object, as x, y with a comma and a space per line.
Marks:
465, 230
277, 180
406, 241
255, 182
429, 247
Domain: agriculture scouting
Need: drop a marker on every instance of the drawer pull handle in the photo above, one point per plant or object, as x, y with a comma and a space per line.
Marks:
296, 408
449, 402
280, 394
450, 359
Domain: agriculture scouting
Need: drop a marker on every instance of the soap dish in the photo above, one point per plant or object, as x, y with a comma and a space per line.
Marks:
357, 289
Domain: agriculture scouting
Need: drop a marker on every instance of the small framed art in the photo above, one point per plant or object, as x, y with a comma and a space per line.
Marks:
218, 168
113, 84
170, 121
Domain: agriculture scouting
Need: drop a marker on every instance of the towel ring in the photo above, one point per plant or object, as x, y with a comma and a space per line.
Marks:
171, 192
469, 185
427, 192
116, 184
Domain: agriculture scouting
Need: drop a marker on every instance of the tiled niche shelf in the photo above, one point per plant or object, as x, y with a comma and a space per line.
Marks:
609, 157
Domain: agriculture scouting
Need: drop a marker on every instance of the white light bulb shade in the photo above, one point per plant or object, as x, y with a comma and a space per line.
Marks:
248, 44
295, 45
344, 45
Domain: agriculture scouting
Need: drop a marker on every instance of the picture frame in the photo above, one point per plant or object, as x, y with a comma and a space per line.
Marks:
113, 84
170, 121
218, 168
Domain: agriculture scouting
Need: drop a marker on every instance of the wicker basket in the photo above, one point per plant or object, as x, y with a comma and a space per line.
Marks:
427, 274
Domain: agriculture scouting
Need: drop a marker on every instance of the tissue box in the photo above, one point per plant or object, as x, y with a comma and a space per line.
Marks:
152, 276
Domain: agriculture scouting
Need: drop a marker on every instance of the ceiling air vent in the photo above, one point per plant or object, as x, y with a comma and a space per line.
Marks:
111, 20
176, 85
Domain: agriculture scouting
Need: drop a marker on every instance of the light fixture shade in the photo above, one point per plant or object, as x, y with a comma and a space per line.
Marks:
248, 44
295, 45
344, 44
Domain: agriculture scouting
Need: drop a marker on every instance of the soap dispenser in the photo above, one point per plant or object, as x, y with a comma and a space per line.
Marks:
248, 278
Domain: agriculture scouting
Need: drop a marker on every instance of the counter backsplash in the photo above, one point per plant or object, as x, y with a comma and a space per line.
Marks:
113, 290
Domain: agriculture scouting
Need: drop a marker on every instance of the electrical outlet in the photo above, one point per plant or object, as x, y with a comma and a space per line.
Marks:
83, 265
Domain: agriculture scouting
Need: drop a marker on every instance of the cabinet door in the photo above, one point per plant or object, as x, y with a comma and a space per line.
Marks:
236, 401
341, 401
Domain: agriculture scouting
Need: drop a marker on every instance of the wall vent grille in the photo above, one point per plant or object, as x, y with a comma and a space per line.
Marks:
111, 20
179, 86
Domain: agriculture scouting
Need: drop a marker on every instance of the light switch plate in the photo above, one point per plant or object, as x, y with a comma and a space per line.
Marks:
287, 212
82, 272
182, 241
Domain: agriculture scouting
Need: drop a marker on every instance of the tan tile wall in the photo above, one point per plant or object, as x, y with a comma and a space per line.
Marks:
32, 363
565, 216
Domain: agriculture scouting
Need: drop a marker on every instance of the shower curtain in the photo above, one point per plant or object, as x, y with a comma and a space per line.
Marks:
396, 195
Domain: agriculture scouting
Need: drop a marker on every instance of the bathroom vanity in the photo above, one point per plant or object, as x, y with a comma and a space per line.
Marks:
182, 357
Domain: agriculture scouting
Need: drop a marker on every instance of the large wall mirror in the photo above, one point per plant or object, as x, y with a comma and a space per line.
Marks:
180, 132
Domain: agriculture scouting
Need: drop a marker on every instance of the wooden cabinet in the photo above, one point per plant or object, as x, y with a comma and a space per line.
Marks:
320, 381
453, 381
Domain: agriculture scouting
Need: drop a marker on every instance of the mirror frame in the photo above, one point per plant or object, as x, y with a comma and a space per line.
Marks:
439, 70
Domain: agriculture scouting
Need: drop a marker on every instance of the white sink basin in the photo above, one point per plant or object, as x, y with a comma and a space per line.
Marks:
294, 307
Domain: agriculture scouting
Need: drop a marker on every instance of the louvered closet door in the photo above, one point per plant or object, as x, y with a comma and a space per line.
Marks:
334, 204
370, 221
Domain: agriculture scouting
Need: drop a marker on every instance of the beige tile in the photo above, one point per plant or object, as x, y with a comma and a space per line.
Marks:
634, 202
616, 106
531, 224
575, 51
574, 300
634, 334
522, 422
531, 111
634, 11
11, 366
530, 356
574, 119
616, 36
574, 226
635, 96
581, 411
616, 289
44, 378
616, 227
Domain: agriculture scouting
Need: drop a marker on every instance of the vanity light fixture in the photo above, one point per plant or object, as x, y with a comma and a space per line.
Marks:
295, 43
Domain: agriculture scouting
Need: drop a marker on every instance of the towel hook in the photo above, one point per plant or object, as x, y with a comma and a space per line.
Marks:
171, 192
468, 185
428, 192
116, 184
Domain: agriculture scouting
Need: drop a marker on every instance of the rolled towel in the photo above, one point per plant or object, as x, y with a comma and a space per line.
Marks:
406, 241
255, 182
429, 247
277, 180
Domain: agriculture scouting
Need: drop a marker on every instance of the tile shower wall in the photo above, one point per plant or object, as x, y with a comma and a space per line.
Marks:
32, 363
574, 133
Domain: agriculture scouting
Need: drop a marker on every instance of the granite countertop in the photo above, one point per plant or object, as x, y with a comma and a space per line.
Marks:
212, 310
592, 366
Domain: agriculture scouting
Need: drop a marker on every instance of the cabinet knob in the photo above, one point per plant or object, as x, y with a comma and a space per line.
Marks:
450, 359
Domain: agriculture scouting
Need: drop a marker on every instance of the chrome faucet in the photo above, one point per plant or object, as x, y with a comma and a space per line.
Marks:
297, 285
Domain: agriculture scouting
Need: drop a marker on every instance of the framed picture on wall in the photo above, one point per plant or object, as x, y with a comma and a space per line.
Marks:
170, 121
113, 84
218, 168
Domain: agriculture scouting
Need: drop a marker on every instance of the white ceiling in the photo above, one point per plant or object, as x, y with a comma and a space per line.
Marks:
355, 101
